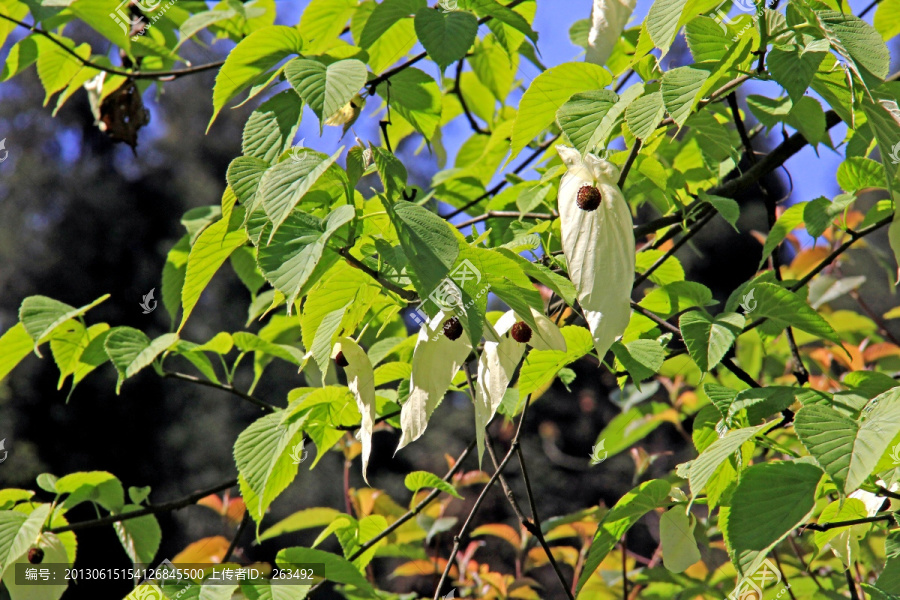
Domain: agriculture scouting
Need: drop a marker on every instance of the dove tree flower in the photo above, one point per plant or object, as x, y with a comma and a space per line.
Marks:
598, 243
499, 360
608, 20
361, 381
441, 349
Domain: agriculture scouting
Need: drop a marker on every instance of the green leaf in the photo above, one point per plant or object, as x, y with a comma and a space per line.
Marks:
417, 480
271, 128
293, 261
641, 358
427, 241
15, 344
336, 568
709, 338
41, 316
416, 97
680, 89
19, 531
173, 276
846, 449
200, 21
728, 208
109, 20
130, 350
676, 538
549, 91
300, 520
97, 486
627, 511
770, 501
326, 89
68, 347
541, 366
887, 20
283, 186
579, 116
211, 249
704, 466
819, 214
262, 453
793, 69
857, 173
391, 170
706, 39
786, 223
787, 309
140, 537
446, 36
385, 16
56, 67
857, 41
250, 59
322, 22
808, 118
663, 21
633, 425
644, 115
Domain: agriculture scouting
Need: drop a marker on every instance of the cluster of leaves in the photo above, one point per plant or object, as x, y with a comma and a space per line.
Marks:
794, 416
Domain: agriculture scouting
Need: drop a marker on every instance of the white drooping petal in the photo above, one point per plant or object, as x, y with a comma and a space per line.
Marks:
599, 246
436, 359
361, 381
608, 20
496, 367
55, 554
547, 336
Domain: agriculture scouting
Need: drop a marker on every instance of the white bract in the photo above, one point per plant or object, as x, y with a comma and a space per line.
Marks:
598, 244
608, 20
436, 359
361, 381
498, 363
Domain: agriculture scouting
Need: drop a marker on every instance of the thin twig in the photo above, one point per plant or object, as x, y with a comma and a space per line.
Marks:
496, 189
740, 373
860, 521
783, 574
376, 81
506, 214
267, 407
534, 526
457, 539
635, 150
691, 232
408, 295
800, 372
149, 510
380, 419
416, 509
234, 541
172, 74
462, 101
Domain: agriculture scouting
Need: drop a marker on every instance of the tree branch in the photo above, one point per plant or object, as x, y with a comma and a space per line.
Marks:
416, 509
149, 510
462, 101
860, 521
507, 214
408, 295
494, 190
173, 74
457, 539
224, 387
